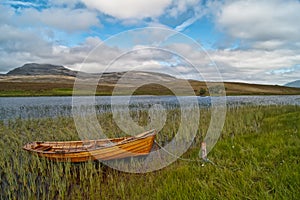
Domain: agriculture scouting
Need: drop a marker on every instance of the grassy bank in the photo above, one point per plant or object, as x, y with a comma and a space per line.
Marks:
257, 157
17, 89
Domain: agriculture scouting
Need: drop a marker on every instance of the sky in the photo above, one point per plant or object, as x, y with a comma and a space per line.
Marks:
254, 41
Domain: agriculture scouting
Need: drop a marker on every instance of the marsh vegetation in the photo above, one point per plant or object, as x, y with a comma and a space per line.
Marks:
257, 157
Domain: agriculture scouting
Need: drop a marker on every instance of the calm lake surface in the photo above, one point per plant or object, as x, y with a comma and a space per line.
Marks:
40, 107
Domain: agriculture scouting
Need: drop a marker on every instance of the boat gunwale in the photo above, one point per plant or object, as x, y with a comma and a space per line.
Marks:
126, 140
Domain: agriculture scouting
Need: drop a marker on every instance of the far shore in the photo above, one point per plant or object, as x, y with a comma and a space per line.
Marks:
28, 89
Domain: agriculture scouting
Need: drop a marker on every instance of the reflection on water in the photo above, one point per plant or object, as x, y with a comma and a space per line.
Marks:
39, 107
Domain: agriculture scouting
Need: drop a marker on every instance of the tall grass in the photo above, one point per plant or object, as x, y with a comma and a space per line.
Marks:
257, 157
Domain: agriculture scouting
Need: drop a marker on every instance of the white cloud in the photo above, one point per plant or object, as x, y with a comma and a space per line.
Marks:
186, 23
244, 65
268, 45
269, 24
64, 19
249, 65
127, 9
29, 35
6, 14
261, 25
181, 6
16, 40
256, 65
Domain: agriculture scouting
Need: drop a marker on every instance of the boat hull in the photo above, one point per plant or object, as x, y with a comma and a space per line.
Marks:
105, 149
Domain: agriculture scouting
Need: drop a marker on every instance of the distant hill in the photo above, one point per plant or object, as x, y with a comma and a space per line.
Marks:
46, 72
295, 84
41, 69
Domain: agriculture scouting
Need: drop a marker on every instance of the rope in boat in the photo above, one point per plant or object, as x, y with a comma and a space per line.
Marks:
204, 156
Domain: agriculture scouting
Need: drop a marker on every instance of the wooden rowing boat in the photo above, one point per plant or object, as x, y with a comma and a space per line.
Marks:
102, 149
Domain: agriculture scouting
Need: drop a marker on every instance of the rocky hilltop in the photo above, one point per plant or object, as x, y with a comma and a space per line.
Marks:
41, 69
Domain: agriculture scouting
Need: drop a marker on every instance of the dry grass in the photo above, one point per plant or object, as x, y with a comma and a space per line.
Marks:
63, 86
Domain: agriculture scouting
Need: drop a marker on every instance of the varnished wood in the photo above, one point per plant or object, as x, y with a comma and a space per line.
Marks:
102, 149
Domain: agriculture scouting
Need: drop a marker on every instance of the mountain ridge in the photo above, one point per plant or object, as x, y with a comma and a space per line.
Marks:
42, 69
35, 69
294, 84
